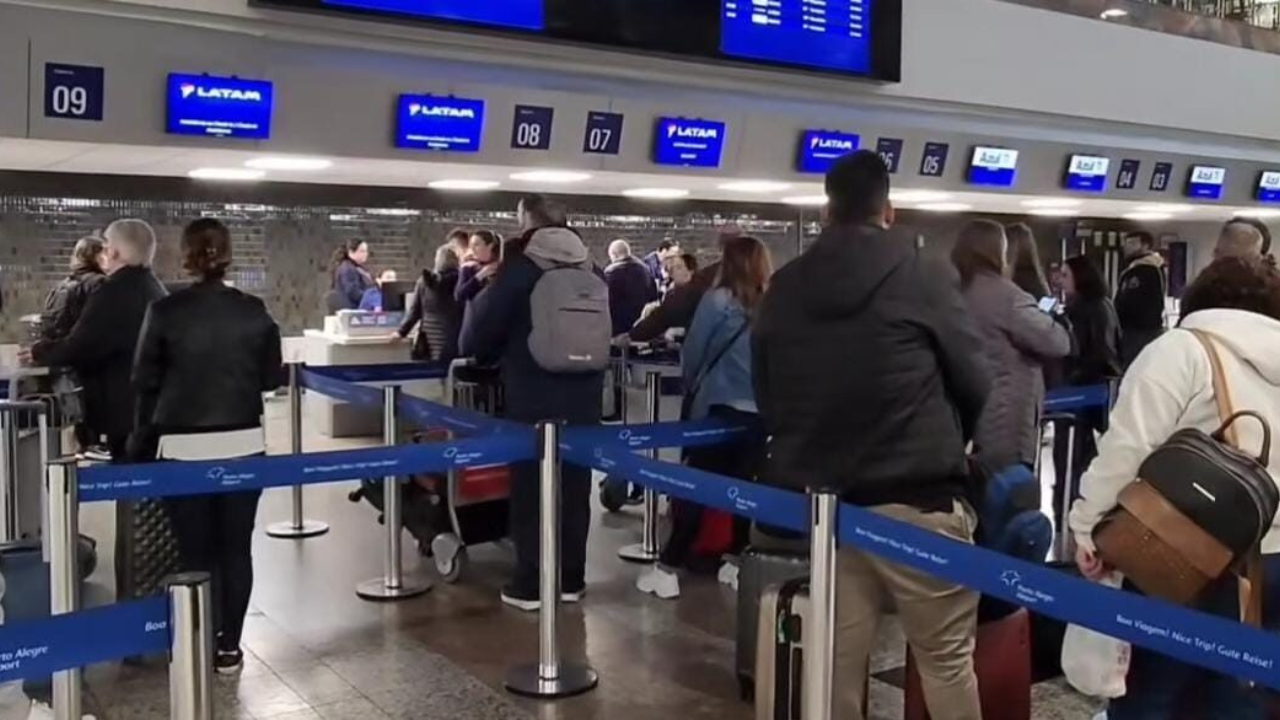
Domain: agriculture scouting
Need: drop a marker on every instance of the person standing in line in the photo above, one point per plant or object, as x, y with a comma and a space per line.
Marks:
460, 241
717, 374
350, 278
1024, 261
435, 311
1017, 337
101, 344
65, 303
656, 260
868, 379
485, 252
1140, 296
1239, 239
1094, 360
631, 287
205, 357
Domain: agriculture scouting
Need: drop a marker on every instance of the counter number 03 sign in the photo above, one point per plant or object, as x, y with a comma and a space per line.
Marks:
73, 92
604, 133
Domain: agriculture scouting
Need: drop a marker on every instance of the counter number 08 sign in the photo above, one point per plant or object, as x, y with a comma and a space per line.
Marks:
73, 92
532, 127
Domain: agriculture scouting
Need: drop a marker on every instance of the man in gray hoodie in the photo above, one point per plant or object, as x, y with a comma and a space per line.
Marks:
497, 328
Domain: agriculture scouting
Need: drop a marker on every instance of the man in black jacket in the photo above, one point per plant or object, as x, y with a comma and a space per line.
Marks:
101, 345
1140, 296
867, 377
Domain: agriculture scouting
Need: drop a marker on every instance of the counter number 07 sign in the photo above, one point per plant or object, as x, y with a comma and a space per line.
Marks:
603, 134
73, 92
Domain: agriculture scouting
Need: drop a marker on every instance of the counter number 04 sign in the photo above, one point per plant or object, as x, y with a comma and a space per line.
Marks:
604, 133
73, 92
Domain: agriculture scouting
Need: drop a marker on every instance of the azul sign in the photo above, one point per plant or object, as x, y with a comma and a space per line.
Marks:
997, 167
819, 149
1269, 186
1087, 173
691, 143
1206, 182
428, 122
219, 107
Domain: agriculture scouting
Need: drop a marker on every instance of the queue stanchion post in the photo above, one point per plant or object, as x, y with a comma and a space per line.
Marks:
393, 585
191, 647
1065, 549
819, 636
62, 535
549, 678
647, 551
298, 526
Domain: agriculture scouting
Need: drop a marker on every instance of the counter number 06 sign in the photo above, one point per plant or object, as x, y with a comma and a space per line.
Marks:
604, 133
73, 92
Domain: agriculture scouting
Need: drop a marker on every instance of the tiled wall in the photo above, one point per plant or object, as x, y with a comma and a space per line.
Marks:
282, 251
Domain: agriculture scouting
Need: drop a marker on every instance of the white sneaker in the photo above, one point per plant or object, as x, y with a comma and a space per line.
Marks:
728, 575
40, 711
660, 582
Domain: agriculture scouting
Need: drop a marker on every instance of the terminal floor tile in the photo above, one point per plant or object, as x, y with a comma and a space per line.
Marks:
316, 651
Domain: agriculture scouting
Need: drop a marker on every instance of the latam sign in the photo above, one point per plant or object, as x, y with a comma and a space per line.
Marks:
219, 107
996, 167
430, 122
819, 149
690, 143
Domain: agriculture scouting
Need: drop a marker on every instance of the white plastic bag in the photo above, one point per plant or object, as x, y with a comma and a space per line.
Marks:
1096, 664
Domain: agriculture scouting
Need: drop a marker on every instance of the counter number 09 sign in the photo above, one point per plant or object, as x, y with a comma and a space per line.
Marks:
604, 133
73, 92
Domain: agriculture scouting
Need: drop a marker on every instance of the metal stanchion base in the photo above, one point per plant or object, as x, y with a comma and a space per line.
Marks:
377, 589
574, 680
638, 554
287, 530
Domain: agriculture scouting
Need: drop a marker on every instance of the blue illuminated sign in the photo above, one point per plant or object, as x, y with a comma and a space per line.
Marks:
604, 133
519, 14
430, 122
73, 92
1127, 178
819, 149
890, 151
826, 34
1206, 182
997, 167
1160, 176
1269, 187
1087, 173
934, 161
691, 143
219, 107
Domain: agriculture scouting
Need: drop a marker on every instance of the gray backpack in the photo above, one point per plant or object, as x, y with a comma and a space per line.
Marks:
571, 323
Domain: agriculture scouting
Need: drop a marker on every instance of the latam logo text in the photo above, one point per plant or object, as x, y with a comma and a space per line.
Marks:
691, 131
219, 93
445, 111
825, 143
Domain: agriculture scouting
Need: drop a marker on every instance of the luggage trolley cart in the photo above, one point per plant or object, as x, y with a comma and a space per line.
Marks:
630, 372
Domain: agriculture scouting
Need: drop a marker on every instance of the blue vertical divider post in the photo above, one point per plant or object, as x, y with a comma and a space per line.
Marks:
646, 551
62, 533
819, 637
297, 527
191, 647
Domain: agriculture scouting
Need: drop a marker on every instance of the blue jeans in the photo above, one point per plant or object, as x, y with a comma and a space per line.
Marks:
1161, 688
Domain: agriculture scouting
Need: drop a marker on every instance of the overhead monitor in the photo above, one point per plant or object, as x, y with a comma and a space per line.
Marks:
433, 122
1269, 186
688, 142
1206, 182
824, 34
227, 107
819, 149
1087, 173
993, 166
519, 14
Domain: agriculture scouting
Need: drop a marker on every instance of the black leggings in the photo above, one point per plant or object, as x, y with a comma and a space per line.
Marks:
215, 535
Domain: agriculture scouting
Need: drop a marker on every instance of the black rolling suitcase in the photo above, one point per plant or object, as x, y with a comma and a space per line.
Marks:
784, 614
758, 571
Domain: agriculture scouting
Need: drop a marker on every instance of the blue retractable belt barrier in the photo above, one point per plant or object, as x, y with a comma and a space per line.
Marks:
382, 373
694, 433
42, 647
1069, 399
168, 479
340, 389
418, 410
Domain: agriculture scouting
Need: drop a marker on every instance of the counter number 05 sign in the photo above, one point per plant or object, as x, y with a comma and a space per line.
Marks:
73, 92
604, 133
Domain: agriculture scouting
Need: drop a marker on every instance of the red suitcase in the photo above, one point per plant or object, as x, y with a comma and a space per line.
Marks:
1003, 662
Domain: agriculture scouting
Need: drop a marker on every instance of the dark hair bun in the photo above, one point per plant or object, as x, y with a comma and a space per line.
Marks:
206, 249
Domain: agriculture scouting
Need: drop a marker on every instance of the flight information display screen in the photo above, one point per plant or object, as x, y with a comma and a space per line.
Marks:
689, 143
446, 124
520, 14
1269, 187
826, 34
1206, 182
997, 167
1087, 173
219, 107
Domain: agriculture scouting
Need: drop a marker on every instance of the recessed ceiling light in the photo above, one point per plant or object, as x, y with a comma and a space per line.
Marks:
1051, 203
924, 196
949, 207
235, 174
1113, 14
287, 164
551, 176
1260, 213
1164, 208
1148, 216
755, 186
806, 200
460, 184
1053, 212
656, 193
394, 212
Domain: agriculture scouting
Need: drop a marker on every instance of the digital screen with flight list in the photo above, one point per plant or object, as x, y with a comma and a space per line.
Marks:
1206, 182
819, 149
1269, 187
1087, 173
827, 34
431, 122
997, 167
219, 107
689, 143
519, 14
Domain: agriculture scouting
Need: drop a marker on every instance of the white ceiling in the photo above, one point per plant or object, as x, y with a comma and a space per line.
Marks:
75, 157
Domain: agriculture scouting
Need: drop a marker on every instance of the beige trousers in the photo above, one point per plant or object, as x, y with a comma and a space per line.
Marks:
939, 619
